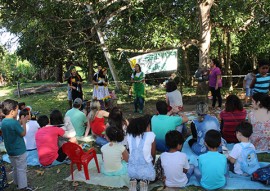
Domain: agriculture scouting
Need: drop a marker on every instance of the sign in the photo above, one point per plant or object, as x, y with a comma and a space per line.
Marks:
156, 61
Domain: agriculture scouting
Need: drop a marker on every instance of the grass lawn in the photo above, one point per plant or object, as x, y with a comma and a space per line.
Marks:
52, 178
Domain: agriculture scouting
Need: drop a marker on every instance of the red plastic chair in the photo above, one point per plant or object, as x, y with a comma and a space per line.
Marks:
80, 158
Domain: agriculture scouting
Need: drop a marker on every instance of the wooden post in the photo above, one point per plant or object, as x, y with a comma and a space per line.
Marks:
18, 89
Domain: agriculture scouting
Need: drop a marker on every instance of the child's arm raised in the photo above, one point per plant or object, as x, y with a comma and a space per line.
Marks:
23, 121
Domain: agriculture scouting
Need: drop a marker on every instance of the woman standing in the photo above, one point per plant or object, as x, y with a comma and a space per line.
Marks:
75, 83
101, 92
138, 88
215, 83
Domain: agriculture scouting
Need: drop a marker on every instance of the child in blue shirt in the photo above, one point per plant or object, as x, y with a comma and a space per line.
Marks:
13, 134
212, 165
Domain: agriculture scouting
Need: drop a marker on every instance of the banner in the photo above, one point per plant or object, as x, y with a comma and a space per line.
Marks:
156, 61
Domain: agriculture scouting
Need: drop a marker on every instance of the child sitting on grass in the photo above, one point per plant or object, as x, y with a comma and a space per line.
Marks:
175, 163
114, 154
244, 152
212, 165
142, 148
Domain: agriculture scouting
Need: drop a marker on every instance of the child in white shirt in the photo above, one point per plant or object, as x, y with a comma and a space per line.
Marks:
243, 151
175, 163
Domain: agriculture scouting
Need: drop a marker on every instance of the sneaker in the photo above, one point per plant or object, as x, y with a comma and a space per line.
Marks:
27, 189
133, 185
140, 111
143, 186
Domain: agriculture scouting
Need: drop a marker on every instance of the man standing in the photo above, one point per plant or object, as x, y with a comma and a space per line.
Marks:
77, 117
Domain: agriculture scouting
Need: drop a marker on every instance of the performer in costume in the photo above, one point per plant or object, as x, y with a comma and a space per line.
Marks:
101, 91
75, 83
137, 78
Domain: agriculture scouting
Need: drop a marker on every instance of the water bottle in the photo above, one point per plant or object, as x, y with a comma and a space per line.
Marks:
78, 89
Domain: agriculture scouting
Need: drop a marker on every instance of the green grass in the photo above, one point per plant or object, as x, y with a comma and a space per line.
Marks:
53, 177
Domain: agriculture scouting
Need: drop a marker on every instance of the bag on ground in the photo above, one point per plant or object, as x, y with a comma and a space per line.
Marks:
262, 175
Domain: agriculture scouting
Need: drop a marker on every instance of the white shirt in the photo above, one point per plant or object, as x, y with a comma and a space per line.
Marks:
31, 128
236, 153
173, 165
147, 145
175, 98
112, 156
137, 75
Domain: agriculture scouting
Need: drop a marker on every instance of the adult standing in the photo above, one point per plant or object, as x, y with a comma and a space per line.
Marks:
215, 82
75, 83
101, 91
66, 78
138, 79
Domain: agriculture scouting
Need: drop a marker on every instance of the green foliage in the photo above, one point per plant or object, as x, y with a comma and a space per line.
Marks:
14, 69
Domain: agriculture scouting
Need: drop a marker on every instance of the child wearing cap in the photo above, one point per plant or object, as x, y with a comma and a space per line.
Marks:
261, 82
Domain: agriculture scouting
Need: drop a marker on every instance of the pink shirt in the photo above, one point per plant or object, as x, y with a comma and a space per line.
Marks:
47, 144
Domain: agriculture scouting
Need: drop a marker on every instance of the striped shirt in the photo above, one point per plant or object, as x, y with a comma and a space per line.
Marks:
262, 83
230, 121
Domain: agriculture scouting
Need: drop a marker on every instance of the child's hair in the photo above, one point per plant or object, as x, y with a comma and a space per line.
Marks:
212, 138
21, 104
162, 107
115, 134
201, 110
171, 86
56, 117
43, 120
8, 105
263, 62
233, 103
116, 118
138, 126
173, 139
23, 112
245, 128
94, 107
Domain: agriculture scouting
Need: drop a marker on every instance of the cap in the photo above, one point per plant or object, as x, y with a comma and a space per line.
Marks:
78, 101
71, 68
29, 108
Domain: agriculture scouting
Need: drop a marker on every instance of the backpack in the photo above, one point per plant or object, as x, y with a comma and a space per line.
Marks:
200, 75
250, 162
262, 175
3, 177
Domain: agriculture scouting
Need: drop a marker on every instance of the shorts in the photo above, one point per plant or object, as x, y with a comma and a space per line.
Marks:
249, 92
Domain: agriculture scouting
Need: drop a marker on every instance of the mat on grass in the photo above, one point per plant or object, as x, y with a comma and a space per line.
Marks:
99, 178
32, 159
234, 181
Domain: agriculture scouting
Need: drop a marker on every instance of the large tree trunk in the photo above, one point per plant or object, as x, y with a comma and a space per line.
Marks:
187, 73
59, 73
205, 37
90, 68
105, 50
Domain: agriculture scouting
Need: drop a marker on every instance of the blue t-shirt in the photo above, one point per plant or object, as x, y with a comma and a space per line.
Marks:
78, 120
213, 167
13, 140
161, 124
